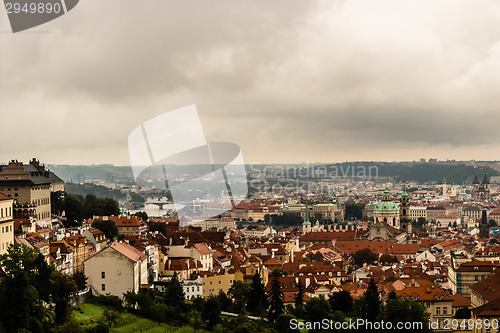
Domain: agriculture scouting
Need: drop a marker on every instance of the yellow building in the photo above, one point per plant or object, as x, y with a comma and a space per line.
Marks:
30, 186
436, 301
214, 283
6, 223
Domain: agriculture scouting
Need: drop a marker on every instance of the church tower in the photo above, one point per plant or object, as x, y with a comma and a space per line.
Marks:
306, 225
404, 213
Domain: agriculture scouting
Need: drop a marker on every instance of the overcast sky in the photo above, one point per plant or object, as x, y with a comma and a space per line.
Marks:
289, 81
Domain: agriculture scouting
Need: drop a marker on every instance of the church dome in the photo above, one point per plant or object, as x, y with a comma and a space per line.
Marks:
386, 206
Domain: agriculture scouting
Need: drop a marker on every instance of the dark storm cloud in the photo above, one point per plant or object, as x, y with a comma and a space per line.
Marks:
287, 80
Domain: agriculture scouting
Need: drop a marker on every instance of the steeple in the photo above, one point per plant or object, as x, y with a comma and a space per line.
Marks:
386, 196
485, 180
306, 215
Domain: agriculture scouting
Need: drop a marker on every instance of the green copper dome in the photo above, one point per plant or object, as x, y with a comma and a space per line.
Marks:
387, 206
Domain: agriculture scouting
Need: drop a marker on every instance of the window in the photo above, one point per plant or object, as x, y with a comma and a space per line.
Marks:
103, 275
438, 310
103, 287
219, 281
476, 278
445, 310
428, 304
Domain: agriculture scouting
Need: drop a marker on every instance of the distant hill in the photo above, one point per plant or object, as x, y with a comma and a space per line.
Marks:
97, 190
400, 171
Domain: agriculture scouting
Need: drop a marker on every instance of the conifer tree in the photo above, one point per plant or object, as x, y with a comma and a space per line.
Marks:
257, 300
276, 299
299, 297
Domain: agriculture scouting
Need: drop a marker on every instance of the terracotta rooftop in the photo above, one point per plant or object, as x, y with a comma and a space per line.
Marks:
128, 251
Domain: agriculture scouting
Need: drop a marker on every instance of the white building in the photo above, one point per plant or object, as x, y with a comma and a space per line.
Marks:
116, 270
192, 288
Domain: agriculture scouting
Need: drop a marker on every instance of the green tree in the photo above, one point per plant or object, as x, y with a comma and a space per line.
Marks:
317, 309
407, 310
143, 215
73, 208
210, 313
24, 290
341, 301
364, 256
372, 302
278, 272
174, 294
387, 258
80, 280
157, 226
299, 297
109, 207
108, 227
239, 292
257, 301
63, 289
282, 323
57, 202
275, 299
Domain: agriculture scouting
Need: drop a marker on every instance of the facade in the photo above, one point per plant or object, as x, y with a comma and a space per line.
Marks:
213, 283
481, 190
30, 186
192, 288
461, 278
417, 212
386, 211
6, 223
437, 302
116, 270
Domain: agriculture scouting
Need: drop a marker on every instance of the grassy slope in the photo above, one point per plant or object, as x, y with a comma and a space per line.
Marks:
128, 322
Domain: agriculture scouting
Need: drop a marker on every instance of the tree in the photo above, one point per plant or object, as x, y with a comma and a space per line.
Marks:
364, 256
108, 227
63, 289
278, 272
80, 280
143, 215
211, 312
392, 295
73, 208
239, 292
342, 301
157, 226
299, 297
463, 313
275, 299
387, 258
282, 323
407, 310
317, 309
24, 290
257, 301
57, 202
174, 294
372, 302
